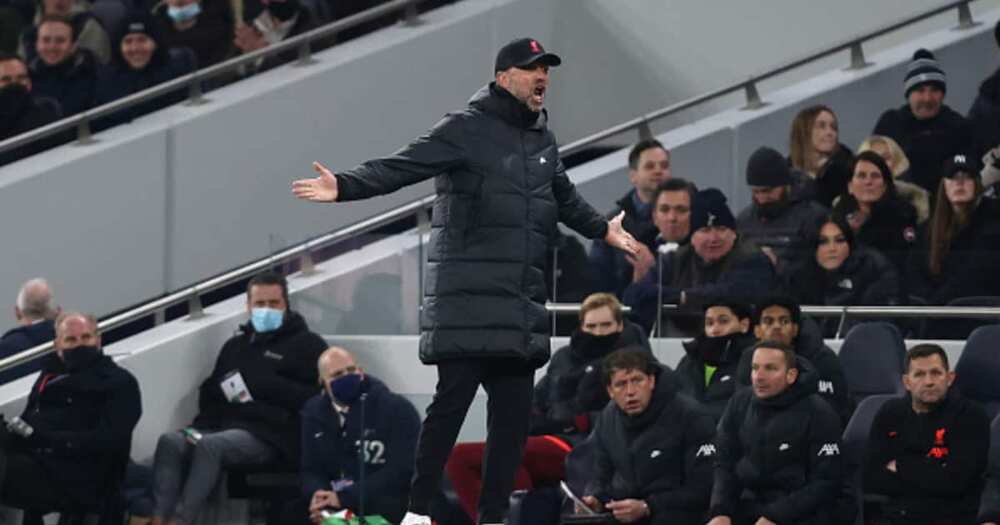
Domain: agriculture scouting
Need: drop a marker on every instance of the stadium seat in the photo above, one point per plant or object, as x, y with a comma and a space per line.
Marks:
991, 490
854, 440
872, 356
580, 466
978, 368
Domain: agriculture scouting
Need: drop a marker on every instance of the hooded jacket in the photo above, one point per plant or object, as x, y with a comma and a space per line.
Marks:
662, 456
786, 234
572, 388
611, 268
778, 457
330, 450
21, 338
927, 143
830, 384
940, 459
72, 83
279, 369
712, 388
83, 417
501, 189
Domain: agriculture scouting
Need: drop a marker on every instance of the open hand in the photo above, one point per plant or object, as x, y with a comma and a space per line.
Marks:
618, 237
319, 189
628, 510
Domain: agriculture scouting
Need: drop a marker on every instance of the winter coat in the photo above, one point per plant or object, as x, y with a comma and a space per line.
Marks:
984, 115
744, 274
330, 450
73, 83
927, 143
829, 183
22, 338
21, 112
83, 421
712, 389
501, 189
831, 383
787, 234
970, 266
778, 457
572, 386
662, 456
211, 37
940, 460
279, 369
891, 229
612, 270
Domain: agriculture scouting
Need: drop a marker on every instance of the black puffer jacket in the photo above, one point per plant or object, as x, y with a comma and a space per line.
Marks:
786, 234
984, 115
779, 457
83, 420
714, 393
572, 388
73, 83
663, 456
927, 143
970, 266
501, 190
279, 369
891, 229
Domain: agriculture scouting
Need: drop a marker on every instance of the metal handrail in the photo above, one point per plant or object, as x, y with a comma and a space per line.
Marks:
192, 294
193, 81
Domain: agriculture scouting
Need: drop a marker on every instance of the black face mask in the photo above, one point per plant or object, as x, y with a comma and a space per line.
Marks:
713, 350
593, 346
773, 210
283, 11
80, 356
13, 99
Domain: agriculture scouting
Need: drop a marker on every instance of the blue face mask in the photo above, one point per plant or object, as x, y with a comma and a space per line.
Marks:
183, 14
346, 389
266, 319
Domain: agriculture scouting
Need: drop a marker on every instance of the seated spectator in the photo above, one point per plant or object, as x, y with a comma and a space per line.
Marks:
564, 404
141, 60
81, 411
776, 220
203, 26
779, 318
90, 34
36, 325
331, 431
842, 273
21, 110
717, 263
280, 19
929, 131
248, 407
778, 447
984, 115
648, 167
899, 165
654, 451
959, 249
672, 218
707, 372
62, 70
815, 150
879, 217
927, 450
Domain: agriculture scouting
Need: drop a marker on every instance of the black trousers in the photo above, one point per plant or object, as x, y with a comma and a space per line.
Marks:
508, 384
27, 485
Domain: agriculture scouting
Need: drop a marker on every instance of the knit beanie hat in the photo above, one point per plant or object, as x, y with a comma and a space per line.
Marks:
768, 169
923, 69
710, 209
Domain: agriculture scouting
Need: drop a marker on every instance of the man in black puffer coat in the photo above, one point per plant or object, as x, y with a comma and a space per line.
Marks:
778, 447
501, 191
82, 409
63, 71
248, 406
654, 448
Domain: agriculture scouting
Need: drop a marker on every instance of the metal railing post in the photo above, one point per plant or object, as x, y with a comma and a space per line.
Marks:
423, 230
160, 317
965, 20
196, 96
857, 57
83, 133
307, 266
411, 18
753, 97
195, 309
645, 133
305, 55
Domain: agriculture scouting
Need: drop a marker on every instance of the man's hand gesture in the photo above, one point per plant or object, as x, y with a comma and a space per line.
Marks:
619, 238
319, 189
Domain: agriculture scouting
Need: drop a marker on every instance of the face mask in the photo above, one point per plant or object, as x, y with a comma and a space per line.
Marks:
266, 319
78, 357
346, 389
593, 346
713, 349
283, 11
13, 98
183, 14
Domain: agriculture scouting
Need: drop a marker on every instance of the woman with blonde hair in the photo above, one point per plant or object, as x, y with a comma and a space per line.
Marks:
815, 149
894, 156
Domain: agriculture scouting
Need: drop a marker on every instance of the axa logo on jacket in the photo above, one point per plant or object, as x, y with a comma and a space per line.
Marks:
826, 387
829, 449
705, 450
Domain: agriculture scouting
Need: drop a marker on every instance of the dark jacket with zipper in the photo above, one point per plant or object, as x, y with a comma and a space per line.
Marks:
891, 229
927, 143
611, 269
73, 83
787, 234
279, 369
662, 456
501, 189
984, 115
571, 388
713, 394
23, 338
940, 460
83, 417
778, 458
330, 450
